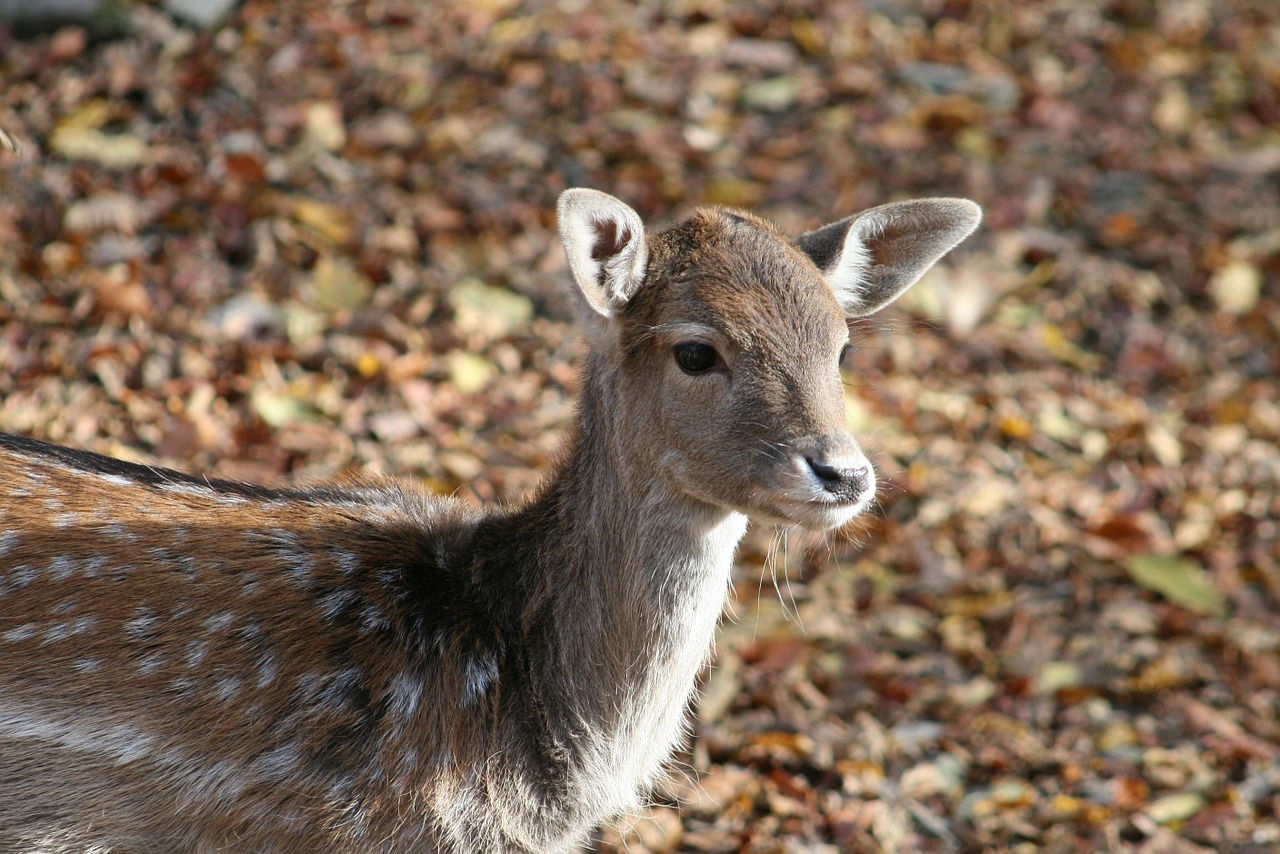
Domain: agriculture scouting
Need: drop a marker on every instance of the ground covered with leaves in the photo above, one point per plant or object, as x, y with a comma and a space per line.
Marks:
321, 238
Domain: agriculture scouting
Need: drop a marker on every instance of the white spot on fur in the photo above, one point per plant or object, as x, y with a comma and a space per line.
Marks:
84, 733
334, 603
278, 763
266, 669
117, 531
333, 690
150, 663
300, 569
227, 688
406, 691
62, 567
7, 541
372, 619
94, 565
219, 622
17, 634
142, 624
21, 576
70, 628
88, 665
184, 686
196, 652
481, 672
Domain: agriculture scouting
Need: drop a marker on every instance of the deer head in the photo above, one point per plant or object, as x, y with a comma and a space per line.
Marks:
725, 340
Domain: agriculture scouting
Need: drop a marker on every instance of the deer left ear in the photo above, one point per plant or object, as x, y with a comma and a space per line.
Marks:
604, 240
872, 258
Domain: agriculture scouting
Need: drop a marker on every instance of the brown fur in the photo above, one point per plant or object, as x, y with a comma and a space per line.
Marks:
191, 665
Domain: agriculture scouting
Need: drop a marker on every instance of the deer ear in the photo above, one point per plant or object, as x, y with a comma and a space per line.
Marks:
870, 259
605, 242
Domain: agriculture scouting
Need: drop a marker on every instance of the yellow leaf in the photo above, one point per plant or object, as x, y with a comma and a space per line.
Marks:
1058, 346
1236, 287
329, 221
339, 285
1015, 427
484, 310
1056, 675
470, 373
1178, 580
91, 114
323, 126
115, 151
368, 365
1175, 808
279, 408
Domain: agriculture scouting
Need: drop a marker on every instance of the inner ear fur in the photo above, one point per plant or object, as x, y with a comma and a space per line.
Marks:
870, 259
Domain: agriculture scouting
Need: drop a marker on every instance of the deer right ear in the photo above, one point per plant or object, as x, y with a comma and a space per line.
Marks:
605, 242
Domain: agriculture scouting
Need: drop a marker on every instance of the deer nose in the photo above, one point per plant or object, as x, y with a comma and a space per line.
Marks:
842, 477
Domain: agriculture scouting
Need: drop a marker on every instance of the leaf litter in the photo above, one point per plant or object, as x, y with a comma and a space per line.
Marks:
320, 238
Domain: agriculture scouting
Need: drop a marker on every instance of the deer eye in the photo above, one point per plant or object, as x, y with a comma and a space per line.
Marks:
695, 358
844, 354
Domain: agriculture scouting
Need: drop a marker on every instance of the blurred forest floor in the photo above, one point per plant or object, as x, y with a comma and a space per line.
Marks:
321, 238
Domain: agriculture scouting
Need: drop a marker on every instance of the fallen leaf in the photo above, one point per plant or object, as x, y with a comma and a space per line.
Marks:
105, 211
329, 221
1235, 287
114, 151
1206, 717
278, 408
470, 372
1179, 807
1178, 580
9, 144
323, 128
488, 311
339, 285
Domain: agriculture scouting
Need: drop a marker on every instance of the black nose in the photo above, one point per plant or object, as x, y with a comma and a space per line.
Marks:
847, 482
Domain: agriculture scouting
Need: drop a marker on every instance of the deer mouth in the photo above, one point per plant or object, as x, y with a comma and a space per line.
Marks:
820, 513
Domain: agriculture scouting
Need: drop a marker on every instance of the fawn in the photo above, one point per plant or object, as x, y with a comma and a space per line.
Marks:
199, 665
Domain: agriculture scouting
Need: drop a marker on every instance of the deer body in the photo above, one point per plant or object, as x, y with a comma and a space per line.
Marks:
191, 665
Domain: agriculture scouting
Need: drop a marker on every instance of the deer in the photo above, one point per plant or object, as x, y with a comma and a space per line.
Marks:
195, 665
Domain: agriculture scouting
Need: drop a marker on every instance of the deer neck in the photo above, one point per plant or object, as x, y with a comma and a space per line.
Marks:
637, 575
646, 547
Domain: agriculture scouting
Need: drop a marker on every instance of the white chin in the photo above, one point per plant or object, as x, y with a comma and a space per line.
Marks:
816, 516
826, 518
